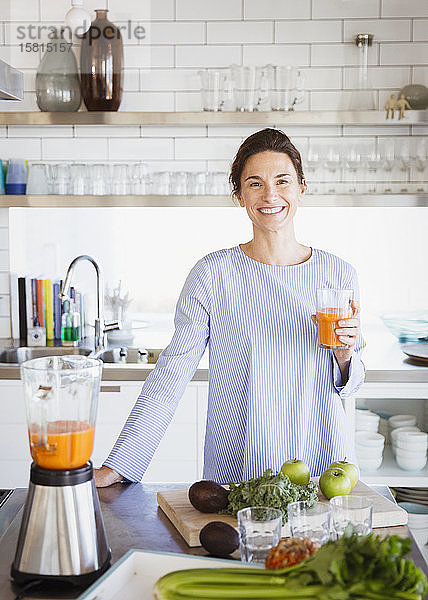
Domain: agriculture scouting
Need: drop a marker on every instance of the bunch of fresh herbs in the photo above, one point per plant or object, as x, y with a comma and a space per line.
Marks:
352, 568
272, 491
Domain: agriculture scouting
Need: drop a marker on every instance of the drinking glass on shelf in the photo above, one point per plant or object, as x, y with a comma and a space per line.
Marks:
332, 306
374, 162
333, 164
37, 182
310, 521
216, 183
354, 510
160, 183
79, 184
386, 150
313, 168
211, 86
264, 89
61, 178
227, 100
244, 81
99, 175
259, 531
287, 87
120, 179
403, 159
139, 178
178, 182
196, 183
420, 163
353, 164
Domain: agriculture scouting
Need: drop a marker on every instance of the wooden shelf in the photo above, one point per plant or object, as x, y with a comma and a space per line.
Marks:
315, 118
345, 200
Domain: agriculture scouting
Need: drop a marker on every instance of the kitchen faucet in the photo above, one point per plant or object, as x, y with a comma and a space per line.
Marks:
100, 326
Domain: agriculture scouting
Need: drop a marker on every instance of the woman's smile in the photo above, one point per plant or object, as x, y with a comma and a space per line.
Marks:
273, 210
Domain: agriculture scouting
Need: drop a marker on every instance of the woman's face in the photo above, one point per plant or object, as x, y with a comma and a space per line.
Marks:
270, 190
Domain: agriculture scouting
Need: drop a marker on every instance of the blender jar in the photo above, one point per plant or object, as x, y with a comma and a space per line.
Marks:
61, 398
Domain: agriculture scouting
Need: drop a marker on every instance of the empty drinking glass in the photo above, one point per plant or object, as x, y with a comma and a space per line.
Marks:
287, 87
259, 531
357, 510
178, 183
120, 179
100, 178
333, 163
217, 183
196, 183
79, 184
139, 179
61, 178
211, 88
309, 521
37, 179
160, 183
244, 80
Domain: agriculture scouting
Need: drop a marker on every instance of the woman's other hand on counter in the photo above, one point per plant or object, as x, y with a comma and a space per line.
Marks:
106, 476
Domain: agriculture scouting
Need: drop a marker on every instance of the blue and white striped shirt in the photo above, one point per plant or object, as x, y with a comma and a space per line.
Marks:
273, 393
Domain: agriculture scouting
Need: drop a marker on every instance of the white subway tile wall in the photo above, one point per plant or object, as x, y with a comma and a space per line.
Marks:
183, 36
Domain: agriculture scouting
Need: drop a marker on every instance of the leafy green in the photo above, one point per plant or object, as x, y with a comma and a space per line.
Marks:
273, 491
352, 568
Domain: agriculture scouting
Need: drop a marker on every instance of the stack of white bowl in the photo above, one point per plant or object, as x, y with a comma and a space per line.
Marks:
411, 450
366, 420
396, 431
369, 449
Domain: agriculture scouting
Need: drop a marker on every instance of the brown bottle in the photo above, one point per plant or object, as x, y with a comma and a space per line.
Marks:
101, 62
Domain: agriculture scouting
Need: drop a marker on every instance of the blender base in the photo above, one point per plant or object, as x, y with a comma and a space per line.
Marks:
84, 580
62, 536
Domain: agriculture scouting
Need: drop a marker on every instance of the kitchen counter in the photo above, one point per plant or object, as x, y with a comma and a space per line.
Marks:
132, 520
385, 362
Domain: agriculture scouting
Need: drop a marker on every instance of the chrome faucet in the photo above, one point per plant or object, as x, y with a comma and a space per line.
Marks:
101, 327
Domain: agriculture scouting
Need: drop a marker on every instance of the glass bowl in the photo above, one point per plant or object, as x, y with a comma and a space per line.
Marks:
407, 325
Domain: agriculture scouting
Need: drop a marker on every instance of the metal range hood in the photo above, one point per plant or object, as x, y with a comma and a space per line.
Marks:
11, 83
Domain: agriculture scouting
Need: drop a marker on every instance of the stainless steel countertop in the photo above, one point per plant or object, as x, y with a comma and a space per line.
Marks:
132, 520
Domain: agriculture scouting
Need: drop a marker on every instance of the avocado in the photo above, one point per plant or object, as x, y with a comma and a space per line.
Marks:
219, 538
208, 496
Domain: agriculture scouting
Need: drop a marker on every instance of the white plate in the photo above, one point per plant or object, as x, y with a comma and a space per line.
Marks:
134, 575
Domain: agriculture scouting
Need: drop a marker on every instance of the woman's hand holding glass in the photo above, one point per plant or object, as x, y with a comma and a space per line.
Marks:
347, 332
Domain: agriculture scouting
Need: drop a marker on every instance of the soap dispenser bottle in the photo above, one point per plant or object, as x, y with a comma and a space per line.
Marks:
70, 325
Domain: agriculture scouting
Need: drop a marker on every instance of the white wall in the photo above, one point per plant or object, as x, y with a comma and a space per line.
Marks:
151, 250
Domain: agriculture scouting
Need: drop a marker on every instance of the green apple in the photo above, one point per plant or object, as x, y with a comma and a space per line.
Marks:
297, 471
335, 482
350, 469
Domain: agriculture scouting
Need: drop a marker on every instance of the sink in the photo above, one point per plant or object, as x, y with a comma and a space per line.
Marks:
133, 356
16, 356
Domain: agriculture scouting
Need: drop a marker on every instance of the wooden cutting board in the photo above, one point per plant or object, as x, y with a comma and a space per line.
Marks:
189, 521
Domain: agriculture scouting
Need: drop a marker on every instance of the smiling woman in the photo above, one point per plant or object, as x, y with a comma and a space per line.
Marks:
274, 394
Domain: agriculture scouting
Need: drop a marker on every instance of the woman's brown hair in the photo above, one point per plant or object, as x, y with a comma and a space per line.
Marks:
273, 140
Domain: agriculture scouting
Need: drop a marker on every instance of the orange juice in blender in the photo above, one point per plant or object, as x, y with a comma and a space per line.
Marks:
332, 306
69, 444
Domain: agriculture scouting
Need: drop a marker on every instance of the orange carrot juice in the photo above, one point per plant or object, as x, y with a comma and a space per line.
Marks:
327, 323
70, 445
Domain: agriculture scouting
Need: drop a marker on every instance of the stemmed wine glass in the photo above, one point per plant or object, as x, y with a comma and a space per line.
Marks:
333, 164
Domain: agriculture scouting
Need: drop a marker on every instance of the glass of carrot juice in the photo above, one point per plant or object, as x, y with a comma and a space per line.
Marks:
332, 306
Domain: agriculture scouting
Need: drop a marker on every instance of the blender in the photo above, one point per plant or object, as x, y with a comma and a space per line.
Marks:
62, 536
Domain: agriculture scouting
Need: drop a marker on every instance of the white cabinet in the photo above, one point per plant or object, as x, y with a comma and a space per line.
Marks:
395, 398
